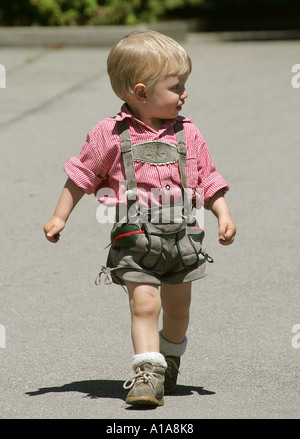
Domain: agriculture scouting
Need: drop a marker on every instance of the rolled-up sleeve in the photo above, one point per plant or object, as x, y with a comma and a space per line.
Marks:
209, 179
86, 169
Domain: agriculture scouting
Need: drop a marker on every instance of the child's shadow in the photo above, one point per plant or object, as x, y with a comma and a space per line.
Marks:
110, 389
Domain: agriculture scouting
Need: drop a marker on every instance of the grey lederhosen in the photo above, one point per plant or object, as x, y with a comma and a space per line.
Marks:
146, 246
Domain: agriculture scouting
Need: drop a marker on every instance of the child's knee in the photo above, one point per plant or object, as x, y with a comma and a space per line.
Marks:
145, 304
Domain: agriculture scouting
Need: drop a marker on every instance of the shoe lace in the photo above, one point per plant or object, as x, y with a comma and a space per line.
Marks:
143, 376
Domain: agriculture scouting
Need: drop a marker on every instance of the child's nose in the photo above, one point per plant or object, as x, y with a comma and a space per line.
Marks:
184, 94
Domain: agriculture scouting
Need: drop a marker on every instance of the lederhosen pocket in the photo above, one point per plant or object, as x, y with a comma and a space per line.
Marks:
189, 246
143, 240
127, 236
154, 249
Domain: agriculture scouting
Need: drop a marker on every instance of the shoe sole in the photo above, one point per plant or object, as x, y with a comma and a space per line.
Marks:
144, 401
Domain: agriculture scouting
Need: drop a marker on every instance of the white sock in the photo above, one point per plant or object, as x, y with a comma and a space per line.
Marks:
172, 349
155, 358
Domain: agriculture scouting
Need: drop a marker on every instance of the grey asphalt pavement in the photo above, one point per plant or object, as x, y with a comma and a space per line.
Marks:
65, 348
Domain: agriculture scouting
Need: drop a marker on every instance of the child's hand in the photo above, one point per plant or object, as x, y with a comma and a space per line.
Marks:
70, 196
227, 230
53, 228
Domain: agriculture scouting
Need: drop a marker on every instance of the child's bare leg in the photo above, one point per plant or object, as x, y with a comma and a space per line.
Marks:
176, 300
147, 386
145, 305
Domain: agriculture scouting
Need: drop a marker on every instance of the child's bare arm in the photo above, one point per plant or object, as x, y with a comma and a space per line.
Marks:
70, 196
227, 230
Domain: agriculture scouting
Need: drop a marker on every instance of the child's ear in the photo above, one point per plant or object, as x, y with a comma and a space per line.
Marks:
140, 92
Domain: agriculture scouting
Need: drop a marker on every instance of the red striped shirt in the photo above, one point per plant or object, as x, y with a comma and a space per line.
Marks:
99, 166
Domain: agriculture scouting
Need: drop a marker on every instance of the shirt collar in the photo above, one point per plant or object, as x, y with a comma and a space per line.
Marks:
126, 114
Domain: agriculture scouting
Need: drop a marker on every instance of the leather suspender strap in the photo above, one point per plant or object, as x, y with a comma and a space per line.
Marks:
126, 150
182, 149
127, 155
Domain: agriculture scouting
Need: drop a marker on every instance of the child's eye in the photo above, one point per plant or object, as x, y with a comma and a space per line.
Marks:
176, 87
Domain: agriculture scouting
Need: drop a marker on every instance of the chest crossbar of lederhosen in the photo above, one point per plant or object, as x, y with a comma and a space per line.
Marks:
155, 153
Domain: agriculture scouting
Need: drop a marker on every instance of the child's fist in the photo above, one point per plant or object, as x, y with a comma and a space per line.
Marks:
227, 231
53, 228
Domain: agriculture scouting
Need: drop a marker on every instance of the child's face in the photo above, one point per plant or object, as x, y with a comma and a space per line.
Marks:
166, 97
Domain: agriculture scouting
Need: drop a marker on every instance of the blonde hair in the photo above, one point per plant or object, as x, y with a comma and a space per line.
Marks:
142, 57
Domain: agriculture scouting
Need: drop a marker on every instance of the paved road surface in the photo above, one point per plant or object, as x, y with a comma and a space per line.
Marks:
67, 347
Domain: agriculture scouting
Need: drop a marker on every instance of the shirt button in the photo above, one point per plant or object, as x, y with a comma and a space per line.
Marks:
167, 186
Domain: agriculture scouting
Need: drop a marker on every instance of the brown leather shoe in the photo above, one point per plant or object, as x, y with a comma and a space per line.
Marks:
171, 374
147, 386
